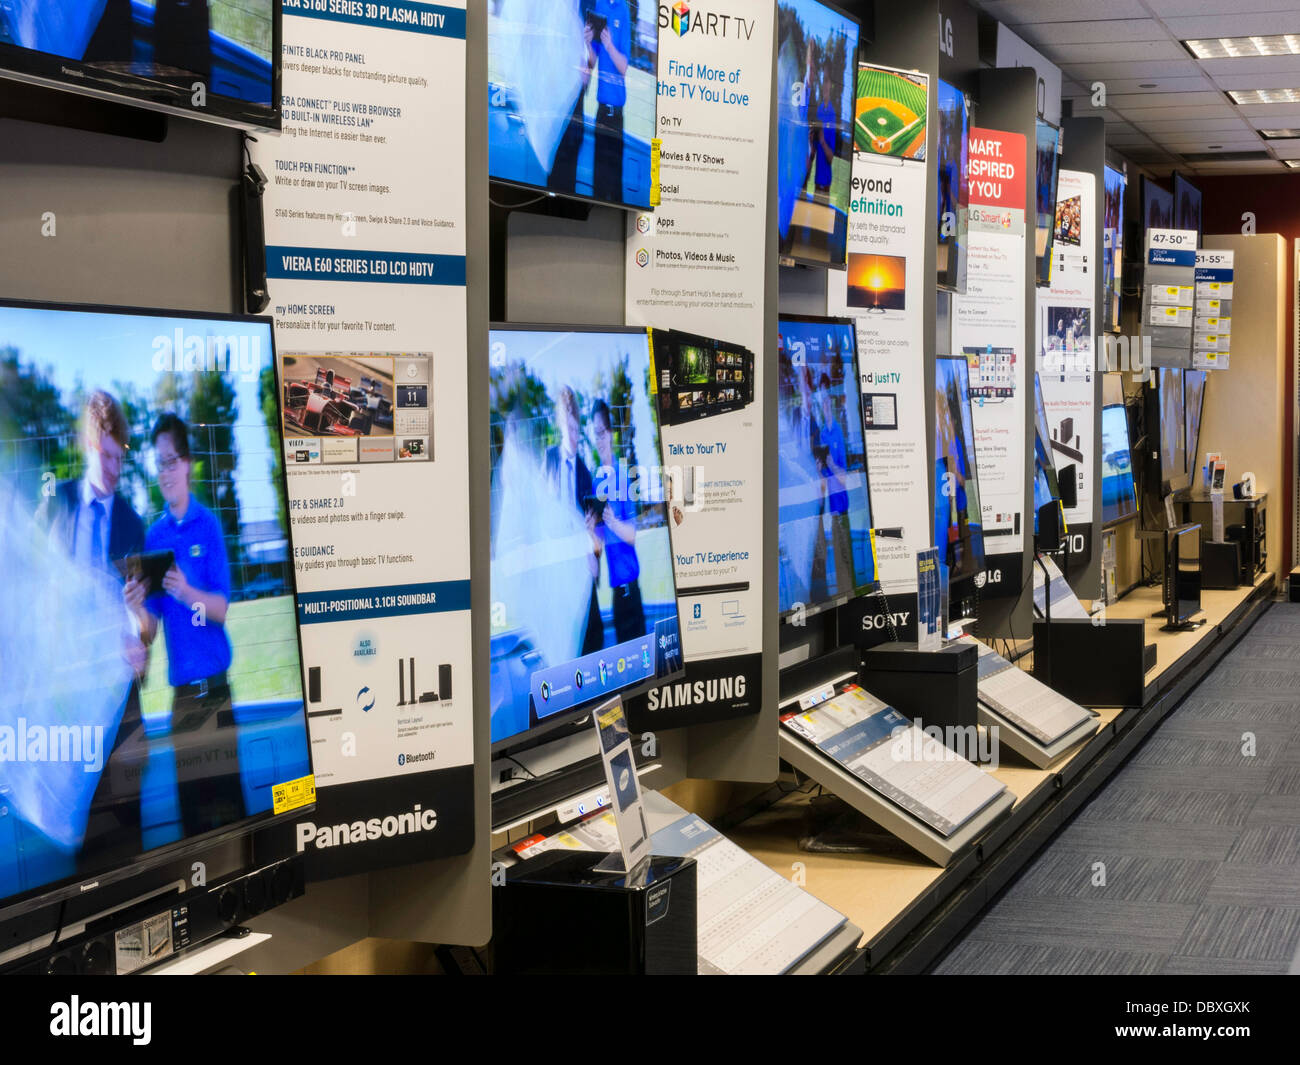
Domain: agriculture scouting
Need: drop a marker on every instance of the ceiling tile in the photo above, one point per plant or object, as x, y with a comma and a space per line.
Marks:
1139, 115
1234, 23
1287, 149
1131, 51
1044, 35
1270, 115
1157, 126
1148, 100
1204, 8
1014, 12
1200, 83
1139, 69
1263, 66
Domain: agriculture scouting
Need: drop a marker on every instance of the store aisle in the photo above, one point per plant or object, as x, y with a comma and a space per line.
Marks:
1188, 859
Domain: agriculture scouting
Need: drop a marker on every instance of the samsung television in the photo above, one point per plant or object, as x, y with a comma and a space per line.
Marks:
1051, 219
139, 491
1118, 493
958, 519
572, 97
584, 603
1112, 253
825, 552
1187, 206
816, 76
954, 185
152, 54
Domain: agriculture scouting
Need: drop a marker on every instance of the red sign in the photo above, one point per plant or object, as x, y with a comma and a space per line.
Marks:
997, 169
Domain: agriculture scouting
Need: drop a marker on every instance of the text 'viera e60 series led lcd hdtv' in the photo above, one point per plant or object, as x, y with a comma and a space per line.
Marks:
816, 71
823, 503
148, 632
584, 603
954, 186
152, 52
958, 521
572, 94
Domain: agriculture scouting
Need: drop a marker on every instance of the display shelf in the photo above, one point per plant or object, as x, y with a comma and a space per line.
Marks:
207, 957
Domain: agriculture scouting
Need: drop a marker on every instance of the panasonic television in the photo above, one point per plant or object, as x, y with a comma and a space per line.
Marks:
816, 75
958, 519
1112, 252
152, 54
572, 97
148, 632
1051, 219
584, 603
1187, 206
1171, 405
825, 550
1118, 493
1194, 404
954, 186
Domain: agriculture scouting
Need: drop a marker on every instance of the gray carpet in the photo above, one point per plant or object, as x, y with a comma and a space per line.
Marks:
1188, 859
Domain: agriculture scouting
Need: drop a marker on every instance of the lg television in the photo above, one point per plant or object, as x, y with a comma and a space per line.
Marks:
958, 519
954, 186
148, 632
583, 593
1194, 405
1050, 219
1118, 493
152, 53
572, 95
825, 553
1187, 205
816, 73
1112, 252
1157, 206
1047, 487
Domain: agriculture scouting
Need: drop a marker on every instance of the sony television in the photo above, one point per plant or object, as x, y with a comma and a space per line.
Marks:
1194, 404
149, 630
584, 602
1187, 206
152, 53
1157, 206
958, 519
1112, 264
816, 75
563, 118
825, 552
954, 185
1171, 418
1049, 217
1118, 493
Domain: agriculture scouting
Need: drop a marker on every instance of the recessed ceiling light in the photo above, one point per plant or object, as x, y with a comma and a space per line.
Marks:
1240, 47
1214, 147
1279, 134
1147, 85
1264, 96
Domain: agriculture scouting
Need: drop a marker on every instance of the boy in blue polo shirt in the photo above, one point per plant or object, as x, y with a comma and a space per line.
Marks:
193, 615
607, 55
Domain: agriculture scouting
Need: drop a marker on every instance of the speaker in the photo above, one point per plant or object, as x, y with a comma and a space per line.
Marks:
313, 684
557, 914
1093, 665
1220, 564
937, 687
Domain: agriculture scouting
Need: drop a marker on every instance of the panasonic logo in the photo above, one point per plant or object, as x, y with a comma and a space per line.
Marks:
881, 621
697, 693
72, 73
340, 835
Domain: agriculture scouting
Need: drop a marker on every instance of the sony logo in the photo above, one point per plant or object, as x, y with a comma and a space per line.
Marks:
697, 693
881, 621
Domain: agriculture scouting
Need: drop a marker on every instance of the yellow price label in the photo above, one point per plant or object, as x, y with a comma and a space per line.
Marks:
655, 144
293, 794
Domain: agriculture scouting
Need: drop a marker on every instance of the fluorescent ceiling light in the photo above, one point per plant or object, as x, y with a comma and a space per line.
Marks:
1239, 47
1280, 134
1292, 163
1264, 96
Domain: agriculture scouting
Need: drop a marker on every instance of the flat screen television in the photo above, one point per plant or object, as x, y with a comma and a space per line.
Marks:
825, 552
1157, 206
148, 632
1050, 218
1112, 262
1047, 488
584, 602
151, 53
954, 185
1118, 494
1194, 404
816, 74
1187, 206
1182, 576
572, 95
1172, 415
958, 518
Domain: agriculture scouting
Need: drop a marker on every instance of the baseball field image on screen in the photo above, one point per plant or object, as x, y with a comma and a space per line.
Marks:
889, 117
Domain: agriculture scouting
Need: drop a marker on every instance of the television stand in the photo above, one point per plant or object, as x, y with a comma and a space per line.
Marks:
1185, 626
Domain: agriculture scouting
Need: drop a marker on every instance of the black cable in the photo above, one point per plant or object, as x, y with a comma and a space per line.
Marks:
511, 758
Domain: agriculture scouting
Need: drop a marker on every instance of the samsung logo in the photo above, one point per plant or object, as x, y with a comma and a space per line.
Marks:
697, 693
340, 835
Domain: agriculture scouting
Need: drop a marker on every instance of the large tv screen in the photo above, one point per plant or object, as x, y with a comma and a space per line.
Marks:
958, 520
954, 186
1194, 400
816, 69
1046, 485
825, 552
1157, 206
572, 96
1187, 205
1112, 261
152, 52
584, 603
1173, 429
1051, 219
1118, 497
148, 632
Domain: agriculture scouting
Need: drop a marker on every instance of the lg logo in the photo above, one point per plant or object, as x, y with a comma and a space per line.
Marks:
945, 35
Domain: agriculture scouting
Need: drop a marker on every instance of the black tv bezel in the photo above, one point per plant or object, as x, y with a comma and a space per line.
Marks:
1132, 480
1043, 263
1179, 181
841, 598
82, 884
543, 192
962, 579
1117, 277
851, 65
1177, 481
1175, 577
1193, 446
950, 280
1043, 433
576, 718
1150, 189
86, 79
